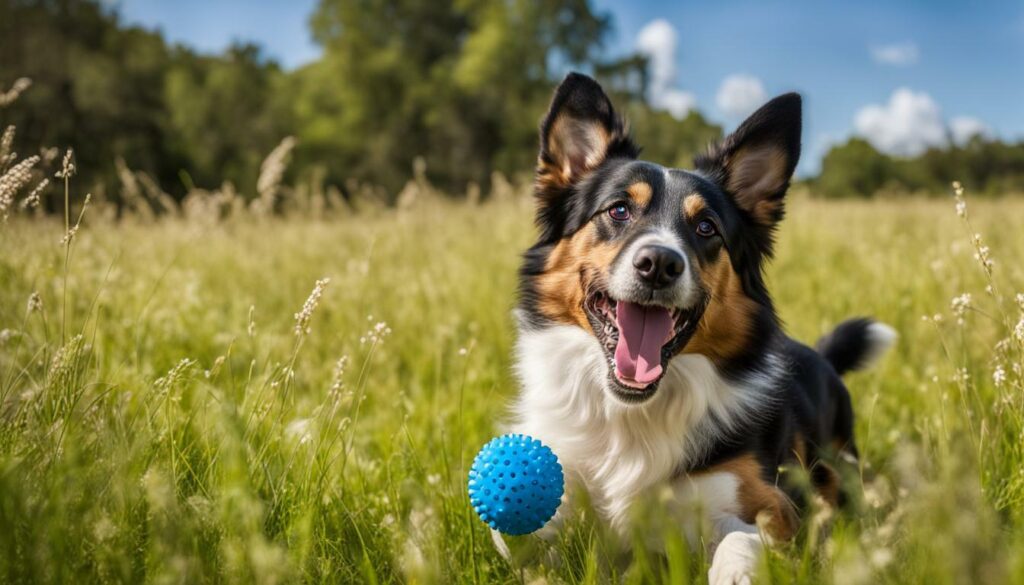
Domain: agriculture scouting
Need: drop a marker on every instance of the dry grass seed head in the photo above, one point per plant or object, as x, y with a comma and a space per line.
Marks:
67, 166
302, 318
10, 96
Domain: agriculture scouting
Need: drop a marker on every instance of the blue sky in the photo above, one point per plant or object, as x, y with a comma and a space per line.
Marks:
905, 75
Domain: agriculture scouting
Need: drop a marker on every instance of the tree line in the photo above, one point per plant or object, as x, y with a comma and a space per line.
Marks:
457, 84
985, 166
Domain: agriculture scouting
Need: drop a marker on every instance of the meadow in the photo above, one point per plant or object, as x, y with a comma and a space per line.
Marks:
279, 398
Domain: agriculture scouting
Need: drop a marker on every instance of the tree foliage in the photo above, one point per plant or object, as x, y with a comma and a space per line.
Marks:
114, 92
984, 166
458, 83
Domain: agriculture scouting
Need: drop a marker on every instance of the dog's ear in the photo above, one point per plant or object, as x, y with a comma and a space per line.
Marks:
755, 163
580, 131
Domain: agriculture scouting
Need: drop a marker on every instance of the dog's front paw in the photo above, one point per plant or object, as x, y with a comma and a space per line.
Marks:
735, 560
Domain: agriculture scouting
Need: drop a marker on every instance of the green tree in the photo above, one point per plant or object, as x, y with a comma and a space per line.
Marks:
984, 166
97, 86
854, 169
222, 114
668, 140
460, 83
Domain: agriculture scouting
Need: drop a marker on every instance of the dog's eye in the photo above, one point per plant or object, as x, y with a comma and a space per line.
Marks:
619, 212
706, 229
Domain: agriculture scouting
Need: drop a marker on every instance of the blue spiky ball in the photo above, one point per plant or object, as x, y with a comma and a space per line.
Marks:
515, 484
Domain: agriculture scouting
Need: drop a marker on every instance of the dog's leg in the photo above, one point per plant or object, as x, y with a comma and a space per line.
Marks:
736, 546
737, 553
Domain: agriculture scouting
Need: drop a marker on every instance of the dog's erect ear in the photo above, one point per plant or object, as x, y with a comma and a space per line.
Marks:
580, 131
754, 164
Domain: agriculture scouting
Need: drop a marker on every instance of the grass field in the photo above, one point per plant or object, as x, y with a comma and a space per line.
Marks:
170, 412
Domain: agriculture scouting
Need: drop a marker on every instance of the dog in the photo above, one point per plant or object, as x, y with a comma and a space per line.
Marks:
650, 355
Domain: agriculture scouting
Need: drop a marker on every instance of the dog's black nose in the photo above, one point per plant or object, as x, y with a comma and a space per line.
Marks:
659, 266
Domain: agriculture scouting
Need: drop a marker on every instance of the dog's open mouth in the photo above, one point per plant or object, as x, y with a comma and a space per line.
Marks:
639, 339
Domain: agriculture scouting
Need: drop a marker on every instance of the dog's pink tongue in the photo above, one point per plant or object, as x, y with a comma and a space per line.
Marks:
642, 332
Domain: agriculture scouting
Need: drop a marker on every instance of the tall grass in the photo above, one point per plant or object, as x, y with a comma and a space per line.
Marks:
199, 422
222, 393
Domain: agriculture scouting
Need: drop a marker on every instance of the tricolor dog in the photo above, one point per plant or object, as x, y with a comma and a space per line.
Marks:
650, 354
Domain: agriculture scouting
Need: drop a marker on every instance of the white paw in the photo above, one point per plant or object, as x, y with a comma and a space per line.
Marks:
735, 560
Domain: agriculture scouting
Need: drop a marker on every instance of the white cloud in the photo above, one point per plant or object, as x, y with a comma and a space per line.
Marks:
657, 41
906, 126
963, 128
676, 101
739, 95
899, 54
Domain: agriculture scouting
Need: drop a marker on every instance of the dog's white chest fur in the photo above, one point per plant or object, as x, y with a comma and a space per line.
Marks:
615, 450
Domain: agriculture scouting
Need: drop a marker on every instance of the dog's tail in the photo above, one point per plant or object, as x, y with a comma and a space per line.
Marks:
856, 344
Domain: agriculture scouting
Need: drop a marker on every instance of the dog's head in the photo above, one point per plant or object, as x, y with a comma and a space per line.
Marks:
652, 261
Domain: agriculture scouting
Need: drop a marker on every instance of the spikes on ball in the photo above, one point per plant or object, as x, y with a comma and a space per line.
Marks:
515, 484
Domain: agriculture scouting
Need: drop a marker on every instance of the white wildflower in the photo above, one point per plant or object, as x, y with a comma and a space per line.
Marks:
982, 253
999, 376
958, 196
960, 304
376, 334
